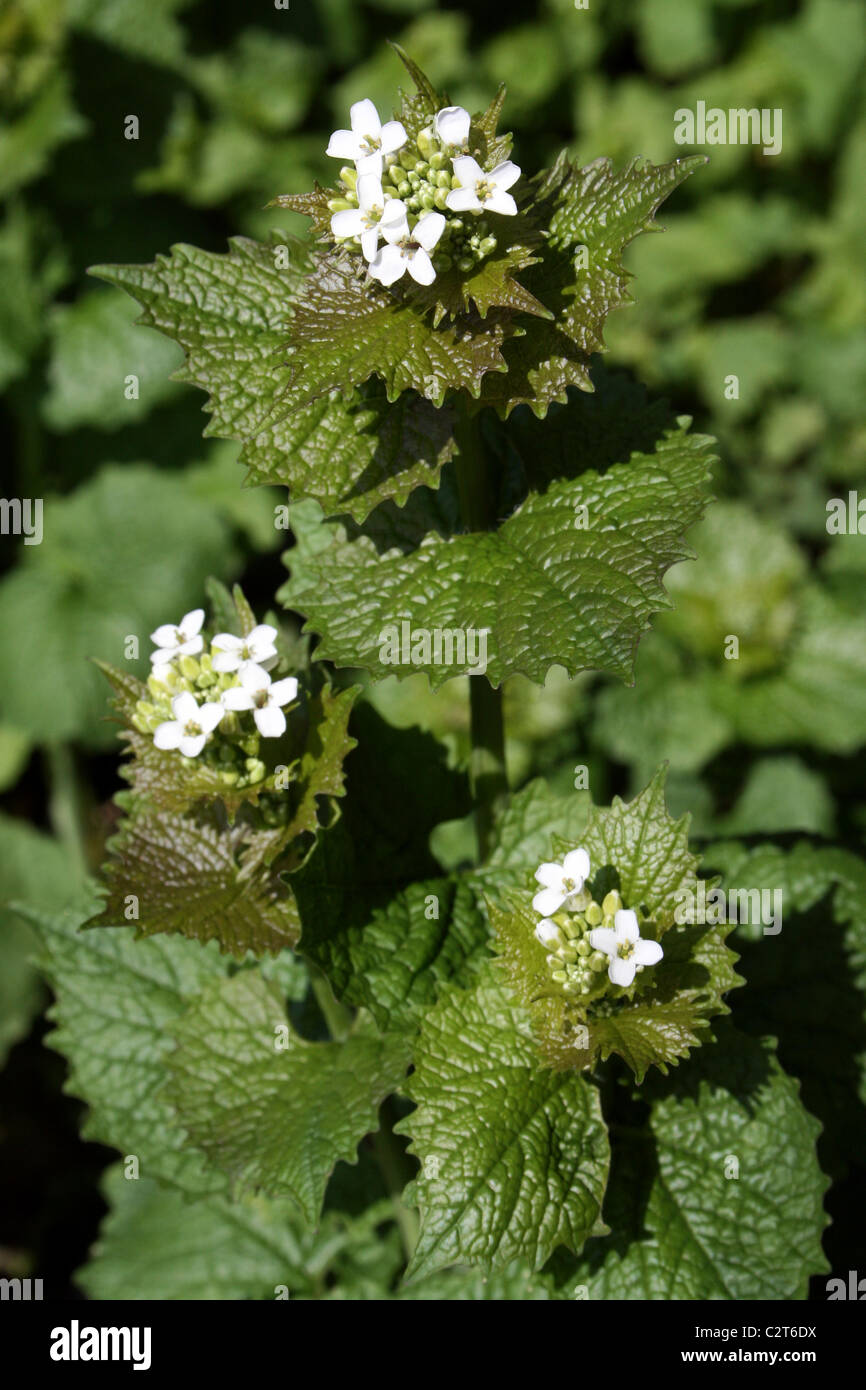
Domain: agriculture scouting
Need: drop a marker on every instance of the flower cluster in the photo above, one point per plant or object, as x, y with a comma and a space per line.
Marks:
590, 945
430, 216
218, 703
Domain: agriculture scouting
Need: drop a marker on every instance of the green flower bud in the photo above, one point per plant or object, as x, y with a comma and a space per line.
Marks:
437, 162
404, 189
440, 199
407, 159
413, 204
190, 667
414, 179
559, 976
443, 179
349, 176
444, 262
456, 224
230, 776
422, 168
426, 144
583, 947
256, 771
396, 174
250, 745
206, 680
567, 953
594, 915
611, 903
339, 205
466, 264
571, 928
597, 961
487, 245
427, 200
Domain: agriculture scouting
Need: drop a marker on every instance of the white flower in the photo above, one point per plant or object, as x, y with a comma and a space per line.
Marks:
479, 190
368, 140
183, 640
548, 933
452, 125
255, 692
625, 947
365, 220
233, 652
407, 250
190, 727
560, 881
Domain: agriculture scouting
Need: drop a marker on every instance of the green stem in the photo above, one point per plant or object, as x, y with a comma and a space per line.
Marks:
338, 1018
65, 804
392, 1164
476, 485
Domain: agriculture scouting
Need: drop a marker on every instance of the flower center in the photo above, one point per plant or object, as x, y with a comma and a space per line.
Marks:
484, 190
626, 950
260, 699
370, 144
569, 885
408, 246
191, 729
372, 217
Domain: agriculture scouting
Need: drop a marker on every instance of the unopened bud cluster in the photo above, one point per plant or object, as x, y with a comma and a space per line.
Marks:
572, 962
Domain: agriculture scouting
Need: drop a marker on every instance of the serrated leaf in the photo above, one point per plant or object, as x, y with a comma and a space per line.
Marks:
806, 984
231, 315
275, 1113
513, 1156
394, 963
524, 831
548, 591
639, 850
686, 1228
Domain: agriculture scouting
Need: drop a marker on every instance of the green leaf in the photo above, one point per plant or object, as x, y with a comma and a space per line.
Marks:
155, 1244
115, 1000
273, 1111
513, 1156
348, 452
686, 1226
36, 869
394, 963
94, 350
597, 210
548, 589
126, 551
807, 984
640, 851
523, 834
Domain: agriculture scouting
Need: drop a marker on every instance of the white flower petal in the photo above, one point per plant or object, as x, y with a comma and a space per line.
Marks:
604, 939
364, 119
163, 655
429, 229
191, 623
227, 642
468, 170
209, 716
263, 632
626, 925
500, 202
549, 875
621, 972
226, 661
370, 243
253, 677
284, 691
184, 706
647, 952
462, 200
388, 266
369, 191
395, 224
576, 865
547, 932
370, 163
190, 648
421, 268
452, 125
342, 145
549, 900
270, 721
505, 175
237, 699
192, 744
393, 137
349, 222
165, 636
168, 735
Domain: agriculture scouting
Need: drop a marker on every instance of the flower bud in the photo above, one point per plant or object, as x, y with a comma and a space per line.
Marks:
597, 961
349, 177
190, 668
487, 245
422, 168
427, 145
466, 264
414, 179
612, 903
559, 976
230, 776
437, 162
594, 915
440, 199
443, 179
407, 159
583, 947
339, 205
403, 189
427, 200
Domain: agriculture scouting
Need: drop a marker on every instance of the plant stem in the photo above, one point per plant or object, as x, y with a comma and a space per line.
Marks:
64, 804
476, 484
338, 1018
392, 1164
